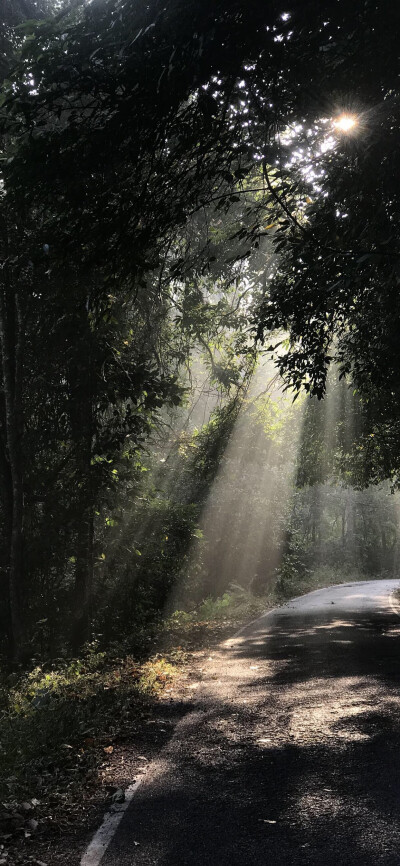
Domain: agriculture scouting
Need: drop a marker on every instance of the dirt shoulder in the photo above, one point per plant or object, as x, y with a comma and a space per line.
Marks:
50, 809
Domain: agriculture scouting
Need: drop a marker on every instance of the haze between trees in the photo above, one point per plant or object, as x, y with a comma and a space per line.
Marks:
150, 216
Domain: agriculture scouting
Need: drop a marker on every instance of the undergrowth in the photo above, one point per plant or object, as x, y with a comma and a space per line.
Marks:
58, 719
59, 722
59, 725
213, 618
292, 581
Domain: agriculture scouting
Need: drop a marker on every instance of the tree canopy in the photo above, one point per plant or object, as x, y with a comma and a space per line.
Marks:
172, 183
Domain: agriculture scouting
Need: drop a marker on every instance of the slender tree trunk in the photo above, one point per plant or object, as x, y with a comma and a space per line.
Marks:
7, 509
84, 548
11, 340
83, 582
82, 424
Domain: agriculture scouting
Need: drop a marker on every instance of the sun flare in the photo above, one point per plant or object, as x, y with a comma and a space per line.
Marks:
345, 123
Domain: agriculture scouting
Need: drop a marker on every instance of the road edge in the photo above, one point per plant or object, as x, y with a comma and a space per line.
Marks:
102, 838
96, 849
395, 606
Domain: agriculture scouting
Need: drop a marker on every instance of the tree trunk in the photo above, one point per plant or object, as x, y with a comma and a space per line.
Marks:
83, 582
7, 511
82, 431
11, 340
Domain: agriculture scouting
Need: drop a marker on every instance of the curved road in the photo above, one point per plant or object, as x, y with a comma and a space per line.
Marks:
292, 752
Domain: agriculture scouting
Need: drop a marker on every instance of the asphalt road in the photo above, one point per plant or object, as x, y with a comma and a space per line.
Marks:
292, 752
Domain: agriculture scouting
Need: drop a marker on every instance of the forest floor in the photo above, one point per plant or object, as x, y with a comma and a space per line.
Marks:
74, 735
78, 737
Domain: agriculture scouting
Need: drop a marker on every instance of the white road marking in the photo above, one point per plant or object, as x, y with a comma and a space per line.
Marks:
103, 836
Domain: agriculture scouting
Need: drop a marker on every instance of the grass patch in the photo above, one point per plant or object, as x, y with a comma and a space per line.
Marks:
213, 619
59, 725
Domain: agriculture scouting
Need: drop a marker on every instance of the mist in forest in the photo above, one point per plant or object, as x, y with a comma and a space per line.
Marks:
260, 495
284, 513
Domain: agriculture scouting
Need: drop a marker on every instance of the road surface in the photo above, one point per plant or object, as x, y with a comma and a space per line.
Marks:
292, 753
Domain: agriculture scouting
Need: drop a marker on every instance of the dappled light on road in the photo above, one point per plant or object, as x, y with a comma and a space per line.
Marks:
295, 739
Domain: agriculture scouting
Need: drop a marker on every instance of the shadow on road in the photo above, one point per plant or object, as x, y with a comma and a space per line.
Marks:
294, 759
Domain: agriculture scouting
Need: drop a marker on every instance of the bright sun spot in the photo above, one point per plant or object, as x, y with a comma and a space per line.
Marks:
345, 122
